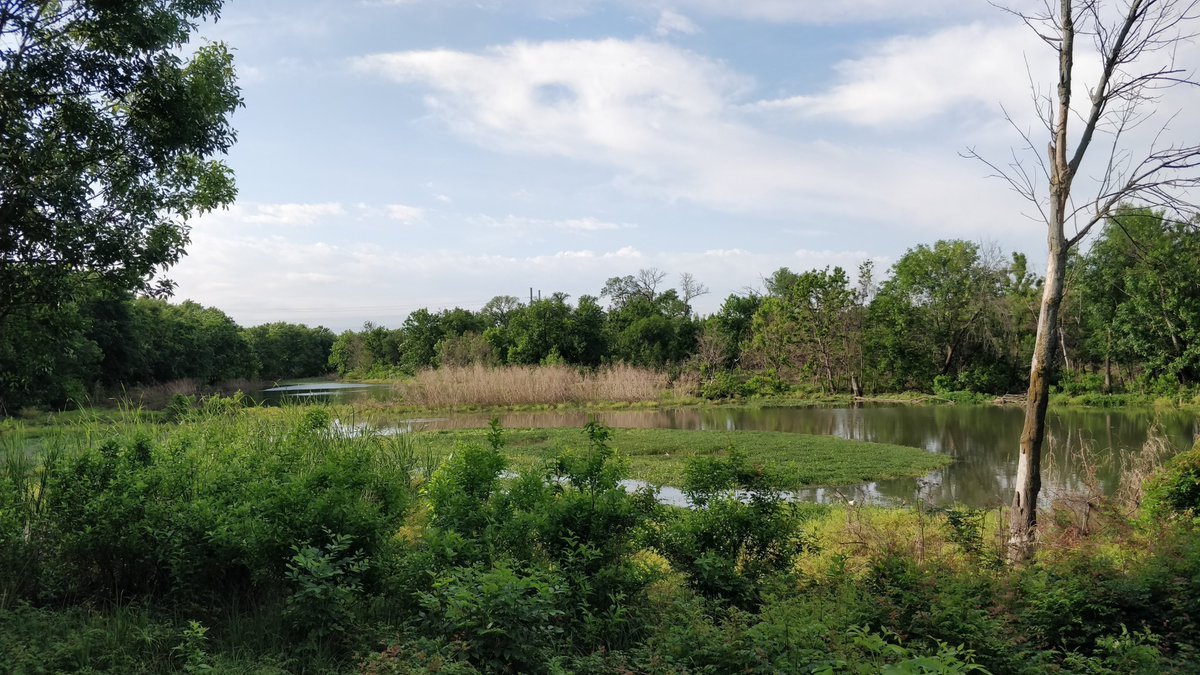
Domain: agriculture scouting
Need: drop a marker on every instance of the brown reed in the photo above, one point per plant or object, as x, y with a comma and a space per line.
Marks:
480, 385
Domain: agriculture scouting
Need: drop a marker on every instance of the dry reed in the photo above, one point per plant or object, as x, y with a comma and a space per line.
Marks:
531, 385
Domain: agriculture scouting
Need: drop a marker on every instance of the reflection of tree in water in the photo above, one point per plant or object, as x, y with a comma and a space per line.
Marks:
982, 440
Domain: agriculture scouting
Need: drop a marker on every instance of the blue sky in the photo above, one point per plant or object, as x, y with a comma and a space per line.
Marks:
396, 154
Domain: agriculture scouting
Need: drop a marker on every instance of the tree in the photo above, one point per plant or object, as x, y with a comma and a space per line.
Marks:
936, 315
621, 290
652, 332
691, 288
1140, 301
812, 328
1135, 42
106, 140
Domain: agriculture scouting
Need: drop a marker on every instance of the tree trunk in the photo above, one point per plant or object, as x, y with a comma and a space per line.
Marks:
1107, 373
1029, 464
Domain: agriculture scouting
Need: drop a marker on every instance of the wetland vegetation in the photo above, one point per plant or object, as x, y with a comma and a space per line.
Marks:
153, 520
263, 541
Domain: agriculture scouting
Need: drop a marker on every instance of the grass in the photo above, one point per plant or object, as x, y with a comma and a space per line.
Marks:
658, 455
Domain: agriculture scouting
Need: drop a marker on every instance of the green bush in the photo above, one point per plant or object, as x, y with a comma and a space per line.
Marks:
766, 383
218, 504
741, 531
506, 620
1175, 491
724, 385
326, 588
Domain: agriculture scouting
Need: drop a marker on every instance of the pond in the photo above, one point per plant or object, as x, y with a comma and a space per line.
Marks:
1086, 448
299, 391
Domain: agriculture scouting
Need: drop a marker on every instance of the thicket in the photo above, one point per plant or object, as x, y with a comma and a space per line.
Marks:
269, 543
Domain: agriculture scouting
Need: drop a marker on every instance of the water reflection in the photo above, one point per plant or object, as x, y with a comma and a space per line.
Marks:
1082, 445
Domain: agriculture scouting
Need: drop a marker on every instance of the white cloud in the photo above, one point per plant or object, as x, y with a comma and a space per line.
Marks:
775, 11
274, 215
405, 214
909, 79
525, 224
591, 225
673, 125
822, 11
673, 22
281, 279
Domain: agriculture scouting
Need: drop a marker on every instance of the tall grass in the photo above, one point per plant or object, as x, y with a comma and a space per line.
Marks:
532, 385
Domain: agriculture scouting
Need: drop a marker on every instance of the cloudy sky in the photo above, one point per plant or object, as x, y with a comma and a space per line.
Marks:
396, 154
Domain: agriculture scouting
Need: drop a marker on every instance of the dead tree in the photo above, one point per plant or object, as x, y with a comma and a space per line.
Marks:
1136, 43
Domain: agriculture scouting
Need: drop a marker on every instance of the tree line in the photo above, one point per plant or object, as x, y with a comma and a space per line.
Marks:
94, 343
948, 317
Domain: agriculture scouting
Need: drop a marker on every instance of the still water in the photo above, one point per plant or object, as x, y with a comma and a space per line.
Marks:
1084, 447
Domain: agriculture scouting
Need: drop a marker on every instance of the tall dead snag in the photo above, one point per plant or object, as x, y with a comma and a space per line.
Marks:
1135, 43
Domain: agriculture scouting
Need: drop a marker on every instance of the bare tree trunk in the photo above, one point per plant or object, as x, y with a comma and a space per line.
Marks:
1023, 521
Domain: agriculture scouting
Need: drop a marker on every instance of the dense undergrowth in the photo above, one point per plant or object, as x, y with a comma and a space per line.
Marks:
252, 544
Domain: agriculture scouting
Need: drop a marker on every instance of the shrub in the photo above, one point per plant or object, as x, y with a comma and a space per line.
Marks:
723, 385
218, 504
505, 620
740, 532
326, 587
1175, 492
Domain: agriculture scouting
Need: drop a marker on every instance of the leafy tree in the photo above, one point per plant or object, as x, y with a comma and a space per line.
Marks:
45, 358
467, 349
1140, 298
349, 353
812, 328
644, 285
422, 331
589, 343
936, 315
652, 332
286, 350
541, 328
499, 310
188, 340
107, 136
733, 324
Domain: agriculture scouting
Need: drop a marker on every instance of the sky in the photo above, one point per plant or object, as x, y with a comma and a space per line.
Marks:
399, 154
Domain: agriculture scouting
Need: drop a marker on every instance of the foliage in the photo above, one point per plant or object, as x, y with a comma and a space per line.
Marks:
506, 621
1139, 300
260, 543
288, 350
1175, 492
946, 310
107, 140
109, 522
741, 530
111, 206
811, 323
326, 588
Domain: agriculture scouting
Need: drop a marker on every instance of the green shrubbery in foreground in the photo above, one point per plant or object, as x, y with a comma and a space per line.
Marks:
240, 544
